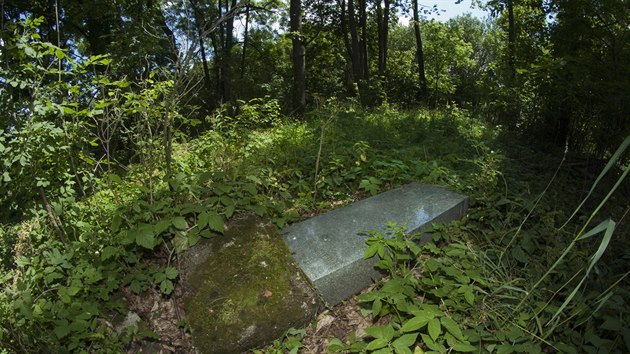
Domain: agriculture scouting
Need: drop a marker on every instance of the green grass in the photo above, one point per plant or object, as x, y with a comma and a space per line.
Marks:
496, 276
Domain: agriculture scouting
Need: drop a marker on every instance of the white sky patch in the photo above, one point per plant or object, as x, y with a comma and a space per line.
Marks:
447, 9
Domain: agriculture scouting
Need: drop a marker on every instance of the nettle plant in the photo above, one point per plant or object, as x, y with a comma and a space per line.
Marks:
425, 300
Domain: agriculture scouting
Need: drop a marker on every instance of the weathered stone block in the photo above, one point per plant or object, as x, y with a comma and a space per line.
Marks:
329, 247
243, 290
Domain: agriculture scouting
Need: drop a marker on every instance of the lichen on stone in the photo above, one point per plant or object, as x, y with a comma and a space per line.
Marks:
247, 294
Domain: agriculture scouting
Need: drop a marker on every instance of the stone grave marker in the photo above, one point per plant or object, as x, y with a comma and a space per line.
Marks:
245, 289
329, 247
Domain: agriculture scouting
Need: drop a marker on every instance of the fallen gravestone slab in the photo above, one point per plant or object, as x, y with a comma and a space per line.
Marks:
330, 250
243, 290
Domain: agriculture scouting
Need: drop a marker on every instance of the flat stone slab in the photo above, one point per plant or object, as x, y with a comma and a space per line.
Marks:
330, 247
243, 290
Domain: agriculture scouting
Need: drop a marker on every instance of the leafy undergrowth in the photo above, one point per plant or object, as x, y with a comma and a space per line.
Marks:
474, 291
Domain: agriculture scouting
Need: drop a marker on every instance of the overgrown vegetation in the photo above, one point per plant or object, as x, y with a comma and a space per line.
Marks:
113, 163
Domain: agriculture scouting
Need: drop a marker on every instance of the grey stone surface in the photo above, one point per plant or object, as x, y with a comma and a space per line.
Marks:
329, 247
242, 290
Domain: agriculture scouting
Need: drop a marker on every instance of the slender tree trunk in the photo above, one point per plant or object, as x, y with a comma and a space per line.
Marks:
245, 38
204, 60
216, 64
199, 24
346, 42
379, 28
344, 29
382, 19
227, 50
386, 11
299, 57
354, 39
52, 218
168, 32
422, 80
219, 53
511, 38
364, 47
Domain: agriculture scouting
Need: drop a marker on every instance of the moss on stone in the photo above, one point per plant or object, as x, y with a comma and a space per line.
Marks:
247, 291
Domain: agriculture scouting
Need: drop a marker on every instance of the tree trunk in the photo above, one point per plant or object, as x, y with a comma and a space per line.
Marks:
379, 28
245, 35
52, 218
511, 39
299, 57
422, 80
199, 24
386, 12
383, 34
218, 53
364, 48
227, 51
354, 39
344, 29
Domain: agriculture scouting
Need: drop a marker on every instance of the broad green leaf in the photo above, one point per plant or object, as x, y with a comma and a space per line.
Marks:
166, 287
116, 222
202, 220
181, 241
226, 201
464, 347
376, 307
229, 210
434, 328
377, 344
22, 261
204, 177
432, 344
452, 327
161, 226
144, 236
221, 189
179, 222
114, 178
406, 340
384, 332
215, 222
371, 251
432, 264
416, 322
159, 277
385, 350
612, 324
171, 273
520, 255
469, 296
62, 328
335, 344
135, 286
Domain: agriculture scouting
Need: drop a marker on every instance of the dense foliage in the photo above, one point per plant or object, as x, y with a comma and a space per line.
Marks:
131, 130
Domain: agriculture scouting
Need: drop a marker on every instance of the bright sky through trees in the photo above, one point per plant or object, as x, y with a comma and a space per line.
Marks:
451, 9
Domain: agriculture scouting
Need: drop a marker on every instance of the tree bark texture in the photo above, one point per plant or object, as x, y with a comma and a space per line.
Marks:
355, 54
200, 24
363, 43
245, 39
422, 80
298, 58
511, 38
